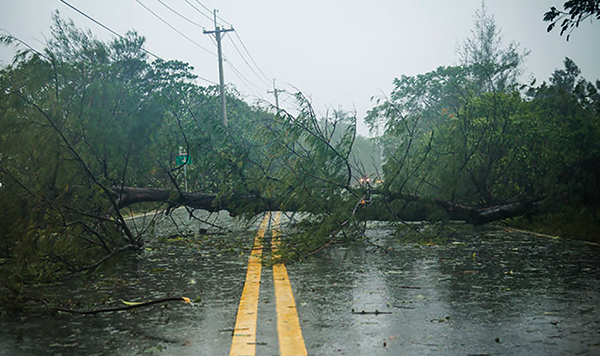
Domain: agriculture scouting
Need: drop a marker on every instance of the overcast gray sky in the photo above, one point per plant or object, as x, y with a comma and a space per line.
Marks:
340, 53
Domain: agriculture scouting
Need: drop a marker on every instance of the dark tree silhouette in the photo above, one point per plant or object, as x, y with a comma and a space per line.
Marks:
573, 13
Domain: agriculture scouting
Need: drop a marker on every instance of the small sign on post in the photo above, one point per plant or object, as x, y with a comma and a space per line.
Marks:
183, 159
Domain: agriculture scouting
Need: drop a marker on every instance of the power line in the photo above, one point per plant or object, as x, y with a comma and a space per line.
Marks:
250, 55
104, 26
198, 10
173, 28
235, 70
218, 35
265, 79
276, 93
180, 15
243, 78
248, 64
224, 21
239, 74
209, 11
205, 7
119, 35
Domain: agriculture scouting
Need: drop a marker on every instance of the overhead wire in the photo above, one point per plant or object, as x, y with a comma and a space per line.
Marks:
250, 55
236, 71
180, 15
199, 11
204, 6
122, 37
174, 28
244, 80
103, 26
258, 72
242, 76
248, 64
212, 12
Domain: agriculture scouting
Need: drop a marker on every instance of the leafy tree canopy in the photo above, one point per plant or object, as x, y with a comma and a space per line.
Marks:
470, 134
85, 123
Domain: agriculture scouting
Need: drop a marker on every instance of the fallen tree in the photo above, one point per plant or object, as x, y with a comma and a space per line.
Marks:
91, 128
127, 196
472, 215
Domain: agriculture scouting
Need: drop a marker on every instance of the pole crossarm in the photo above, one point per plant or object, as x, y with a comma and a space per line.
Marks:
218, 30
276, 92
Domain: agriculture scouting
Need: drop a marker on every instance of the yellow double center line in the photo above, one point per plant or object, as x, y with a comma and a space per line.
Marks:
291, 341
244, 332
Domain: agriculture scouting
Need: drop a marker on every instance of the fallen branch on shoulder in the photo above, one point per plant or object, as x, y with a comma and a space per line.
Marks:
128, 305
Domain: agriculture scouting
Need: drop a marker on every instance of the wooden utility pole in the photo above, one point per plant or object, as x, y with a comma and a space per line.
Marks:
276, 93
217, 32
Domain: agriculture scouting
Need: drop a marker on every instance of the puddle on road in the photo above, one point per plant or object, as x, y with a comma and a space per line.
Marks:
486, 291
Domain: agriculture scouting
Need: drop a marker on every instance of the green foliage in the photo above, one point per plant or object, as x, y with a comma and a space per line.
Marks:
469, 134
76, 120
494, 147
577, 222
574, 12
86, 116
304, 164
492, 67
568, 137
299, 162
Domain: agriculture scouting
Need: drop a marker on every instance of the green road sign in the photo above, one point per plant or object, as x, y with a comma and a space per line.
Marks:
183, 159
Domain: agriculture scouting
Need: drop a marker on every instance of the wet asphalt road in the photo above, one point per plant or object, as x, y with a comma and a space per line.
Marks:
486, 291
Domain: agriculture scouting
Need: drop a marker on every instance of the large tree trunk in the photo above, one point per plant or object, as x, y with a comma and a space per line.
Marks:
477, 216
127, 196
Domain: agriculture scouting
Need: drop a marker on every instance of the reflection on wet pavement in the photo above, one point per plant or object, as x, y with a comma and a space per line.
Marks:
487, 292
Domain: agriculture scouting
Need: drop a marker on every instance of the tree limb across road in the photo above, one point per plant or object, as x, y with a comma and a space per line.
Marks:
127, 196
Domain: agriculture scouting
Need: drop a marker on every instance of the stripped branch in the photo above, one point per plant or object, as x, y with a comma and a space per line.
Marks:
126, 307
